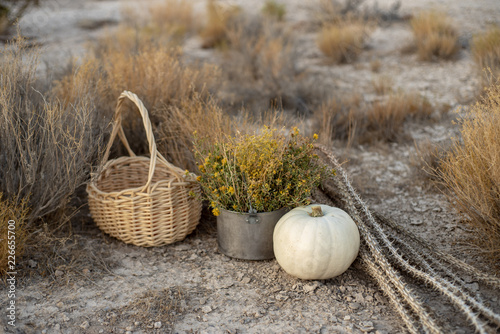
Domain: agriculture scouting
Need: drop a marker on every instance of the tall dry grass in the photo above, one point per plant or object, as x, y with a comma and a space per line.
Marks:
471, 171
355, 121
157, 74
260, 65
343, 41
219, 18
274, 9
47, 147
167, 22
486, 53
16, 212
435, 35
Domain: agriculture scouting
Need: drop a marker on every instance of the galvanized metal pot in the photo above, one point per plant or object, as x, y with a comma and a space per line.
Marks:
247, 236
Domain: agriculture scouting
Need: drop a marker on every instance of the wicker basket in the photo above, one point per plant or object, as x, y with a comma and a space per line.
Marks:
139, 200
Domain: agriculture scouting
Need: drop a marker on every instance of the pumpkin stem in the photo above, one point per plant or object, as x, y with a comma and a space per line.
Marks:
316, 212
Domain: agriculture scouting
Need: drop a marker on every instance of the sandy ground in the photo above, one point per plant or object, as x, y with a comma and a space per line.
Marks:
190, 287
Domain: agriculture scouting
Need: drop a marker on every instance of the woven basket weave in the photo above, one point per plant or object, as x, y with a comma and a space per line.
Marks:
139, 200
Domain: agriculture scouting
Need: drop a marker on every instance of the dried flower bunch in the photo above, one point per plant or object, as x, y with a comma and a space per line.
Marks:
264, 172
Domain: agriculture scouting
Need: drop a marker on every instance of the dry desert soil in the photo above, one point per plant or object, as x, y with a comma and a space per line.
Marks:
102, 285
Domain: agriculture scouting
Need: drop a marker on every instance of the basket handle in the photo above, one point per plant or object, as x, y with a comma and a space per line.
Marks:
118, 130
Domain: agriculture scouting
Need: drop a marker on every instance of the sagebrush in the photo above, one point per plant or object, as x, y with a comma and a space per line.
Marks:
471, 171
47, 147
159, 77
435, 35
356, 121
13, 214
343, 41
485, 49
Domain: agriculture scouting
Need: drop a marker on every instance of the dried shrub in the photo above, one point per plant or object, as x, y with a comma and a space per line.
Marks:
200, 115
337, 119
352, 120
156, 74
375, 65
17, 212
274, 9
218, 18
47, 147
428, 158
11, 11
172, 17
486, 52
382, 85
161, 23
260, 65
471, 170
435, 35
344, 41
385, 119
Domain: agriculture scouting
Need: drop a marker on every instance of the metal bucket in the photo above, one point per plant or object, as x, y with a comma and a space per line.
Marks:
247, 236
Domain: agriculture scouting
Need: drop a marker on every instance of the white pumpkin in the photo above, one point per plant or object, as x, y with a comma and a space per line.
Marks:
317, 245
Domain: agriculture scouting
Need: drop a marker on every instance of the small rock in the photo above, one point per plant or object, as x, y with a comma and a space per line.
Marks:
206, 309
32, 263
60, 304
281, 297
157, 324
246, 280
58, 273
310, 288
85, 271
416, 221
366, 326
101, 330
203, 301
347, 317
359, 297
65, 318
354, 306
85, 324
129, 328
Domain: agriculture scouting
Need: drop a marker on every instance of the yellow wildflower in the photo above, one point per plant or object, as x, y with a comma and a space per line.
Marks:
216, 212
315, 136
231, 190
